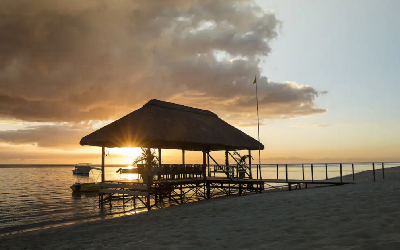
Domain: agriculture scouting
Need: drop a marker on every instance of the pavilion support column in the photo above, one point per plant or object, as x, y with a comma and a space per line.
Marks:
208, 164
159, 163
183, 162
227, 163
159, 157
251, 175
103, 155
208, 192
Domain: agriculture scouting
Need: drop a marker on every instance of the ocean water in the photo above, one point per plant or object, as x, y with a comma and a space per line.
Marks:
33, 197
39, 196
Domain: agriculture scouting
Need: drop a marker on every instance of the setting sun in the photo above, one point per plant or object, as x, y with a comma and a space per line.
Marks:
128, 155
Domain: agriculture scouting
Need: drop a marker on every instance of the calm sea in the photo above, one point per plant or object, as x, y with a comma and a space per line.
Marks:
33, 197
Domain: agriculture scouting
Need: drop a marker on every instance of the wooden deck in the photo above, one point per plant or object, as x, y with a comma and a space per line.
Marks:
232, 180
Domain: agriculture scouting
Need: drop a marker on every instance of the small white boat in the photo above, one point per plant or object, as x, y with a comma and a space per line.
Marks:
128, 170
82, 169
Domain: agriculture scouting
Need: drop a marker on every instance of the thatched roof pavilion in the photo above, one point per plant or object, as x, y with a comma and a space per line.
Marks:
165, 125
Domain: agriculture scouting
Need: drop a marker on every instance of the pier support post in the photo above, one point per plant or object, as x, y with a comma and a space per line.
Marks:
302, 168
312, 172
326, 171
383, 171
148, 201
286, 170
341, 173
277, 171
373, 169
352, 170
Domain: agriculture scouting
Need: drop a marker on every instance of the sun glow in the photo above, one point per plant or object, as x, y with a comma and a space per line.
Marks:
128, 155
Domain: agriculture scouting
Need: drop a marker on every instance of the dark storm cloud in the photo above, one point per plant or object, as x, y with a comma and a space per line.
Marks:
71, 61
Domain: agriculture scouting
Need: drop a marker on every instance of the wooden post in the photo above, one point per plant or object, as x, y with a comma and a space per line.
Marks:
326, 171
341, 173
383, 171
251, 174
159, 164
373, 169
227, 162
286, 170
302, 167
148, 199
352, 169
159, 157
312, 172
208, 164
205, 176
183, 156
277, 171
103, 154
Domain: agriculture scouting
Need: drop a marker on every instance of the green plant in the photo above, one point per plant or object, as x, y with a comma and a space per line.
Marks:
148, 156
150, 159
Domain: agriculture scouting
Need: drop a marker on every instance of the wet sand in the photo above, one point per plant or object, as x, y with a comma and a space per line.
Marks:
365, 215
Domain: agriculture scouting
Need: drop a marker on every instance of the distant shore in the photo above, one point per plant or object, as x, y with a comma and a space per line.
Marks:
360, 216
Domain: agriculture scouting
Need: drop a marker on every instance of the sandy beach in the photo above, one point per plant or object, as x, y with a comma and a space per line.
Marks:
365, 215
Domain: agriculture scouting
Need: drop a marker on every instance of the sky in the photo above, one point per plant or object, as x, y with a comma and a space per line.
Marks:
326, 72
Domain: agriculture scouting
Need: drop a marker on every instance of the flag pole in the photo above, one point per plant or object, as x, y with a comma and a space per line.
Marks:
258, 129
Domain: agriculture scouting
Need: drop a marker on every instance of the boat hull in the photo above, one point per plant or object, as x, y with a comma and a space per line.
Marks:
80, 172
85, 187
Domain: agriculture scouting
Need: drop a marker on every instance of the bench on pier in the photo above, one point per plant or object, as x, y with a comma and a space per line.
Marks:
123, 185
127, 192
123, 188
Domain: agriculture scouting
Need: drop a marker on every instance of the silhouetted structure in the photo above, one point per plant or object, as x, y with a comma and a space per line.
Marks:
167, 125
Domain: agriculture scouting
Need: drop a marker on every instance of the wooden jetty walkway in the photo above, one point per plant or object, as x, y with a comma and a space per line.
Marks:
180, 191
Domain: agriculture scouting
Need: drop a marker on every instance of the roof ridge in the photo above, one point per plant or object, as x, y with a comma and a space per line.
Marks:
170, 105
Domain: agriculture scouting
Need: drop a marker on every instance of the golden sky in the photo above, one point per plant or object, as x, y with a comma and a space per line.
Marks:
70, 67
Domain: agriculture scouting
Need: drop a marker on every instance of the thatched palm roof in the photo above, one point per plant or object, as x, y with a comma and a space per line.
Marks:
167, 125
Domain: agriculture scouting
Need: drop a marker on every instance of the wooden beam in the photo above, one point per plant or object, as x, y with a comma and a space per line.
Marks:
251, 175
373, 169
204, 165
159, 157
208, 164
103, 154
183, 156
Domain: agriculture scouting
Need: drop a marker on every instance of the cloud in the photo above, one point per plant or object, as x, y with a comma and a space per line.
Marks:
304, 125
72, 61
47, 136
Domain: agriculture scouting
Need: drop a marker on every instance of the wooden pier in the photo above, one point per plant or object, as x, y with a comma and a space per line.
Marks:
167, 192
162, 125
